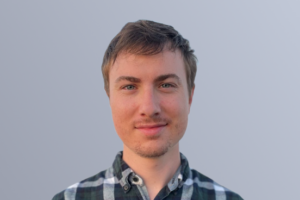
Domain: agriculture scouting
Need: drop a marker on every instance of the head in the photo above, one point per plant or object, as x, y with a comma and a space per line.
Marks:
149, 38
149, 71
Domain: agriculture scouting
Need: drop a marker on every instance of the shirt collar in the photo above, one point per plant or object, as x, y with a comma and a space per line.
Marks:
122, 172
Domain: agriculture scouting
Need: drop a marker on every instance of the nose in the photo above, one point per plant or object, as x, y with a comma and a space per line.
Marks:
149, 103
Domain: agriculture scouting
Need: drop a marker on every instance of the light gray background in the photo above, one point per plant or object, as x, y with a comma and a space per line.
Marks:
55, 121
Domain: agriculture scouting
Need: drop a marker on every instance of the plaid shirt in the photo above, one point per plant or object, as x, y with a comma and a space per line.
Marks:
119, 182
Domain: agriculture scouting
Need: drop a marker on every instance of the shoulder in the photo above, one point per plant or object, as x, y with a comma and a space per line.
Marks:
208, 188
84, 187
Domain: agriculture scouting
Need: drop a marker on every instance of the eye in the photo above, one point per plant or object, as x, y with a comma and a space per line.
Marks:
166, 85
129, 87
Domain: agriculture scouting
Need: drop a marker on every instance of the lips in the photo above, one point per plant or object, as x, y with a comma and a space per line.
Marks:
151, 130
149, 126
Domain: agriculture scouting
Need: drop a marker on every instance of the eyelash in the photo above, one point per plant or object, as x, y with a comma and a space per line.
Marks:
126, 87
169, 85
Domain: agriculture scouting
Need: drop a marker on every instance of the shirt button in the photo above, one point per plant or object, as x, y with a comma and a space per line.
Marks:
135, 179
125, 187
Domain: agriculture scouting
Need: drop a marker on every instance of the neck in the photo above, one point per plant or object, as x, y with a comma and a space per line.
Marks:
156, 172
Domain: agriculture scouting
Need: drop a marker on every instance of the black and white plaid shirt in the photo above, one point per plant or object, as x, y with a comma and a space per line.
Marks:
119, 182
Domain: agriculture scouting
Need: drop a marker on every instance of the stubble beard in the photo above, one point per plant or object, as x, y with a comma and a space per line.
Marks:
148, 152
152, 152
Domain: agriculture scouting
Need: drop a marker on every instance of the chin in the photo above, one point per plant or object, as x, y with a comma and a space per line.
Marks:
152, 151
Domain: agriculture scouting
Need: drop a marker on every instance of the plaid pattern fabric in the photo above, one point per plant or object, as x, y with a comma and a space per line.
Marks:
119, 182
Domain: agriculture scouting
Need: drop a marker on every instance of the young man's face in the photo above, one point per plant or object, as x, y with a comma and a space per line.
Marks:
150, 101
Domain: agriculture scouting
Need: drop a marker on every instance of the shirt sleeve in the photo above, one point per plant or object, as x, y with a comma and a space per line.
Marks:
59, 196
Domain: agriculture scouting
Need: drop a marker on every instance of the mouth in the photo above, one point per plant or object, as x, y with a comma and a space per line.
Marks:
150, 130
150, 126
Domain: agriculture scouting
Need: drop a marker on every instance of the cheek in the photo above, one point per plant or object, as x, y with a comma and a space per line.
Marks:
175, 107
119, 112
119, 119
122, 112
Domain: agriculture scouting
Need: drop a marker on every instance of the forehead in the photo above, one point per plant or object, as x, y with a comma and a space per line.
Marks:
165, 61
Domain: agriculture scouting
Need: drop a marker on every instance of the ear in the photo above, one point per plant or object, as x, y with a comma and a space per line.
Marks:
107, 92
191, 96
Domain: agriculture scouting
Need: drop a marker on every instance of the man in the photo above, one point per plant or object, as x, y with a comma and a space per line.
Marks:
149, 71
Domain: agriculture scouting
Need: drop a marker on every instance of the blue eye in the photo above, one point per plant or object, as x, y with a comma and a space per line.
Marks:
129, 87
166, 85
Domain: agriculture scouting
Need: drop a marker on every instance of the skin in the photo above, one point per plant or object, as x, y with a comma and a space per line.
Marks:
150, 103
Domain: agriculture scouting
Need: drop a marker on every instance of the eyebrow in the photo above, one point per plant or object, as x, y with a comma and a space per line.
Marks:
137, 80
128, 78
166, 76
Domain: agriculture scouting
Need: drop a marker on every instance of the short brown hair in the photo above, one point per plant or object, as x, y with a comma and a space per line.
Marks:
145, 37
